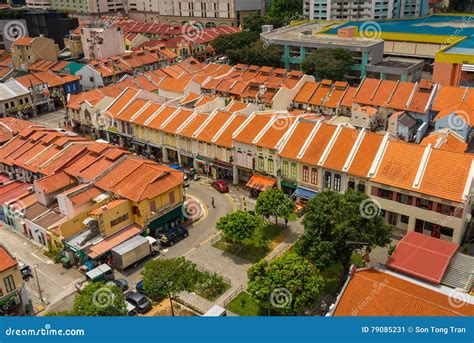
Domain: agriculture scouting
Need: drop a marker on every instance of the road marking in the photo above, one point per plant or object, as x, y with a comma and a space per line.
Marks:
231, 201
42, 260
210, 238
202, 206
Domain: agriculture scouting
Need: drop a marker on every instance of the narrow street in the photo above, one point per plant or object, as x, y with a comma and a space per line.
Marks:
55, 282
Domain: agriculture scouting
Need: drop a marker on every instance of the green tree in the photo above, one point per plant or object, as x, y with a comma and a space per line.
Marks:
254, 22
332, 64
286, 10
337, 224
288, 284
274, 203
166, 278
99, 299
234, 41
238, 226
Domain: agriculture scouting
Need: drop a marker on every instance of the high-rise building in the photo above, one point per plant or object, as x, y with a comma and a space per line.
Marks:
206, 12
94, 7
38, 4
364, 9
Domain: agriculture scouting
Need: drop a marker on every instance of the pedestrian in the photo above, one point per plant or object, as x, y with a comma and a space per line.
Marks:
212, 203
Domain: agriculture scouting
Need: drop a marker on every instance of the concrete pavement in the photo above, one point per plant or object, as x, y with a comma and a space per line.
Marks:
55, 282
52, 120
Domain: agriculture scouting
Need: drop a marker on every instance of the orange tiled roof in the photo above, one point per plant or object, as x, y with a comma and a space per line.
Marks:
253, 128
400, 97
340, 150
448, 96
192, 126
121, 102
297, 139
348, 99
216, 122
306, 92
421, 96
23, 41
318, 144
225, 137
365, 154
394, 297
137, 179
462, 110
445, 140
56, 182
6, 260
177, 121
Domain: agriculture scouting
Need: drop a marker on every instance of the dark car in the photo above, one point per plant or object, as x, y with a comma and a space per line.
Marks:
139, 287
120, 283
172, 236
220, 186
141, 302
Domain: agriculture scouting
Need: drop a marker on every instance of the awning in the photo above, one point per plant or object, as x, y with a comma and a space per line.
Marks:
305, 193
204, 159
260, 182
222, 165
288, 184
113, 240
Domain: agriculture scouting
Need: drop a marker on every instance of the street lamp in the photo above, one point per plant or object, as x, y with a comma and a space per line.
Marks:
38, 283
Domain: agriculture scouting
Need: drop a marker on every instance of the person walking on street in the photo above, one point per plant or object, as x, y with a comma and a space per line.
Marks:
212, 203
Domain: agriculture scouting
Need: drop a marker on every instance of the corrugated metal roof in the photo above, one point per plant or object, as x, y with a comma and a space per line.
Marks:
460, 272
131, 244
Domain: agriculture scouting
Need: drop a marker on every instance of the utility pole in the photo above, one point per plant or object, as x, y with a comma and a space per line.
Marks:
38, 283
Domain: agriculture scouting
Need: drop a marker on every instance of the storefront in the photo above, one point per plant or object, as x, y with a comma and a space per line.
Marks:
302, 195
221, 170
259, 183
187, 160
288, 187
203, 165
173, 216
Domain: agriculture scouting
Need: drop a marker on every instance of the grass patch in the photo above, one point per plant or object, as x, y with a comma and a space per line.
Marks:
244, 305
256, 248
293, 217
357, 260
210, 285
333, 275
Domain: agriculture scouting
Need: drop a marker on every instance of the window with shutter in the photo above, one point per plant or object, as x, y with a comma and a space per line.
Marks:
305, 173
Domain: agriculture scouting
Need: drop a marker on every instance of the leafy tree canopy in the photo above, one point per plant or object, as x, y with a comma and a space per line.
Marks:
166, 278
234, 41
288, 284
274, 203
337, 224
99, 299
238, 226
332, 64
286, 10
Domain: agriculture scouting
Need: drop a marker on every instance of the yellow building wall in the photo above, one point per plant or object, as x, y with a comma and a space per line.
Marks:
15, 272
162, 201
74, 225
106, 217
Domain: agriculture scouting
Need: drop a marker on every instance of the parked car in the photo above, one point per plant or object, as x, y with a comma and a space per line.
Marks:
220, 186
139, 287
120, 283
132, 310
141, 302
25, 270
172, 236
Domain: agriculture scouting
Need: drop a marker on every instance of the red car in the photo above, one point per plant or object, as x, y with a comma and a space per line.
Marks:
220, 186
